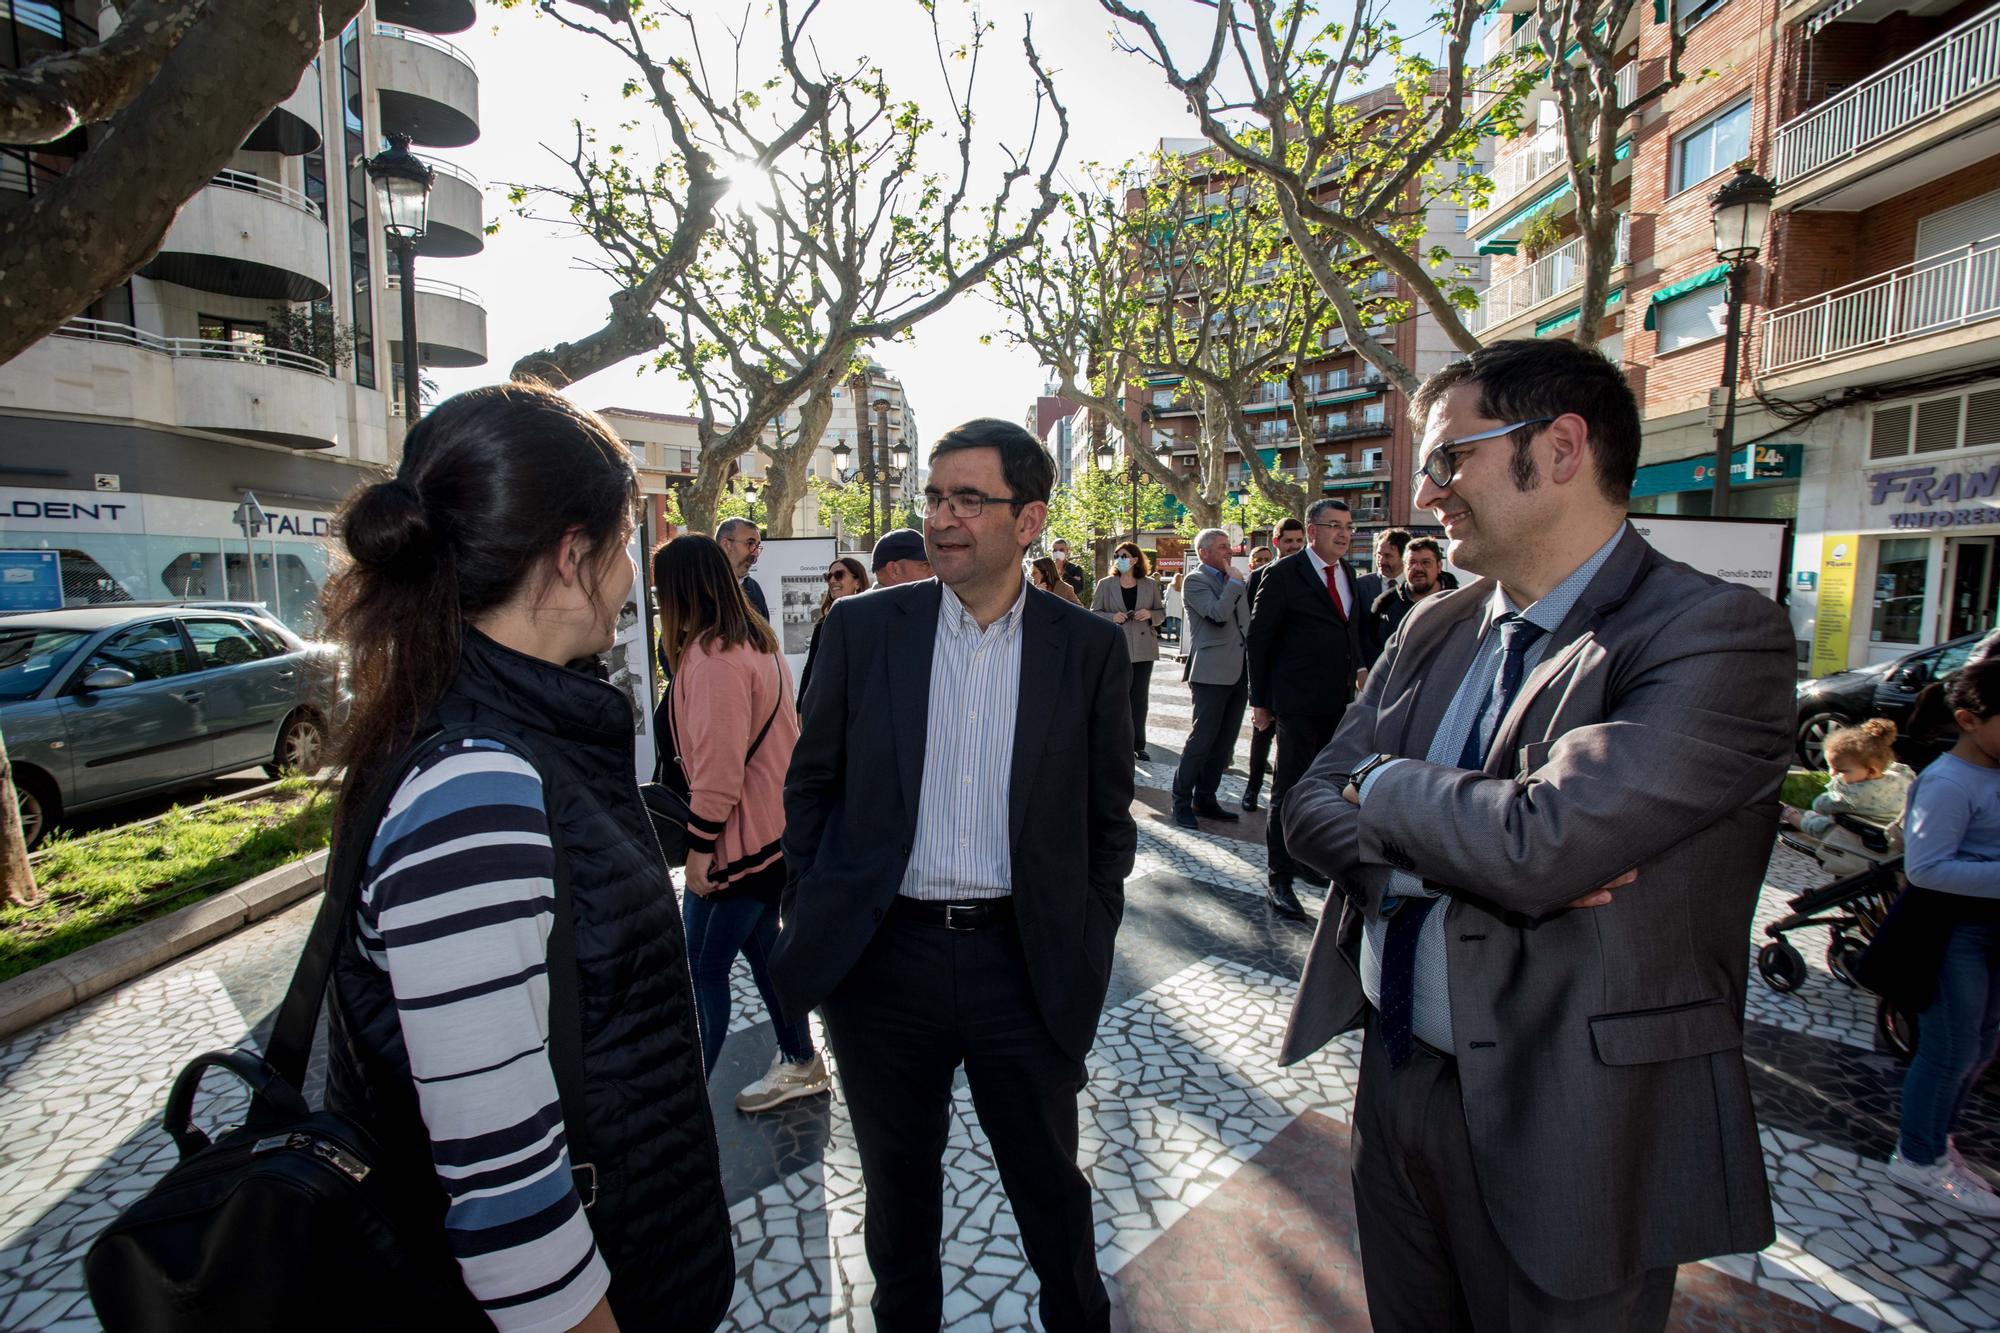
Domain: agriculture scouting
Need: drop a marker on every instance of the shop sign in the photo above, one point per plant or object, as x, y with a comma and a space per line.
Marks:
1834, 622
1937, 495
77, 511
30, 581
1751, 463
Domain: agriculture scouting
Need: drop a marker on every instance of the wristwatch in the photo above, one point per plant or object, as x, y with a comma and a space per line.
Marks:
1368, 765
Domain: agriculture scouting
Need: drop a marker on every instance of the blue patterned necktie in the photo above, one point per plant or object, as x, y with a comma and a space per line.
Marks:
1406, 919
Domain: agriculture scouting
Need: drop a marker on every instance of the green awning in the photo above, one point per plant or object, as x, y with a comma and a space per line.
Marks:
1501, 245
1349, 485
1659, 11
1563, 321
1346, 396
1162, 381
1673, 291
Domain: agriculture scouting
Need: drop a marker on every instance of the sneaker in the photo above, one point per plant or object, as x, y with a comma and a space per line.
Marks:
1944, 1182
785, 1082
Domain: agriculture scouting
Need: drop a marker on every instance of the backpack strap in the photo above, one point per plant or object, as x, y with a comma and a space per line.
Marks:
298, 1016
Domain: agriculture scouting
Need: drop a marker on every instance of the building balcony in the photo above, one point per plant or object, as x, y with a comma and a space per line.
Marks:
1538, 289
99, 369
1929, 114
1518, 51
292, 128
1918, 319
457, 225
1531, 179
243, 235
429, 88
428, 15
451, 324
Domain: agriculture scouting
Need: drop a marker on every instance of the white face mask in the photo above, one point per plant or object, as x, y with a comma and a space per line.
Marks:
1124, 563
1062, 557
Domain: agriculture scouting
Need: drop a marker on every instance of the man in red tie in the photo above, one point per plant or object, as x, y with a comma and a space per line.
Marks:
1305, 647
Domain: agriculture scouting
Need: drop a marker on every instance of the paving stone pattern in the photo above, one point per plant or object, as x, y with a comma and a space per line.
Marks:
1221, 1180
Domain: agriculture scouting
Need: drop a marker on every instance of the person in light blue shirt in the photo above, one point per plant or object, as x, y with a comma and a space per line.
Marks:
1951, 843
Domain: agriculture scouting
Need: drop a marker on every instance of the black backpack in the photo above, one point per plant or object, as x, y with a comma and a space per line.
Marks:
289, 1221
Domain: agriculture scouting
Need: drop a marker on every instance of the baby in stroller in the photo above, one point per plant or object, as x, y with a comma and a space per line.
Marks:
1866, 781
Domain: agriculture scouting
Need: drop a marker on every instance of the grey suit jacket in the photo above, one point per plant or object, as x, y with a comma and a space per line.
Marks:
1599, 1049
1215, 628
1142, 637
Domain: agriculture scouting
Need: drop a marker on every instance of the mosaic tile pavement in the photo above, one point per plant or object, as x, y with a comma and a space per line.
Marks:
1220, 1178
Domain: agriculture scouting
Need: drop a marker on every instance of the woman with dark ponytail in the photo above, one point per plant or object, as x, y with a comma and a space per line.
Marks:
510, 1015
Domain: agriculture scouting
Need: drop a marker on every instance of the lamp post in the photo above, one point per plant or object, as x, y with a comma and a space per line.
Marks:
403, 192
1741, 210
871, 472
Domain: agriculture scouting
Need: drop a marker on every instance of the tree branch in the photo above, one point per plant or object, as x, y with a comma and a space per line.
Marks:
67, 90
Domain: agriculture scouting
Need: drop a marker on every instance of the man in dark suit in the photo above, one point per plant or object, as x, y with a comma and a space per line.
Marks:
950, 900
1304, 650
741, 542
1549, 814
1390, 546
1289, 539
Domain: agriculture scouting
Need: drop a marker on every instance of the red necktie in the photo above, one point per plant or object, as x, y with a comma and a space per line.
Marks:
1333, 589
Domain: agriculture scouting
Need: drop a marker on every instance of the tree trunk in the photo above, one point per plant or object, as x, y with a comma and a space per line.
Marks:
108, 214
789, 462
17, 877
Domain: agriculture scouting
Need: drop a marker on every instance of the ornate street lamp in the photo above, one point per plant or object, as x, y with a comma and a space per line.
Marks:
403, 196
750, 498
1741, 211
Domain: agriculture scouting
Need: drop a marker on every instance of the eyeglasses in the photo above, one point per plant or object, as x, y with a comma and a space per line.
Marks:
833, 574
1441, 463
967, 504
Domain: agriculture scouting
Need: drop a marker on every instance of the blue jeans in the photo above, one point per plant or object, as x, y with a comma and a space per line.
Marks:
716, 933
1956, 1039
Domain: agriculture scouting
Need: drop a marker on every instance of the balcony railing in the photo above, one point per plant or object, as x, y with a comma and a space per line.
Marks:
1559, 271
1513, 174
1944, 292
433, 287
103, 331
444, 168
424, 39
269, 189
1935, 77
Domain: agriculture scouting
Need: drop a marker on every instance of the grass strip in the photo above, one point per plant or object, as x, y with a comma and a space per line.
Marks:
92, 889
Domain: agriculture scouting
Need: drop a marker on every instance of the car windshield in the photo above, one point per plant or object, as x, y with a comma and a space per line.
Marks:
31, 657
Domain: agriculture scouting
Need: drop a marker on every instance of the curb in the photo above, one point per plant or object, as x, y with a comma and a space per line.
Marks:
89, 972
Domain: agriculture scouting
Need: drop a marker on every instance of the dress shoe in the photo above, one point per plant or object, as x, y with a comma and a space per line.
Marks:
1283, 901
1141, 752
1250, 803
1211, 810
1184, 815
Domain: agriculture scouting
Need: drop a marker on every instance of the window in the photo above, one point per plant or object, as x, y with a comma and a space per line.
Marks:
29, 659
149, 652
1712, 146
246, 337
1460, 220
221, 643
1690, 12
1900, 567
1694, 318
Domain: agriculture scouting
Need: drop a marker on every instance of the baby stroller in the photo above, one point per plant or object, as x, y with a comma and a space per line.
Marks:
1866, 861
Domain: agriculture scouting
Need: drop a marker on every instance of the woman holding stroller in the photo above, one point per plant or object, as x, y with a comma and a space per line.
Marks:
1952, 848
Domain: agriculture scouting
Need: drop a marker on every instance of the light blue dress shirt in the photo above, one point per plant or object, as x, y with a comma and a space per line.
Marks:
1471, 713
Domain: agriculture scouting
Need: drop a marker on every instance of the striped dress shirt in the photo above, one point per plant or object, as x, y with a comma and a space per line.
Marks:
457, 902
1471, 714
962, 851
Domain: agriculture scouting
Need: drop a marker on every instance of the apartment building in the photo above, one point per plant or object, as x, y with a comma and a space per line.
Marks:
1357, 418
1869, 404
256, 353
666, 450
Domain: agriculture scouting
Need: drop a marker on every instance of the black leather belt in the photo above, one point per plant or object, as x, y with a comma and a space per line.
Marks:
953, 916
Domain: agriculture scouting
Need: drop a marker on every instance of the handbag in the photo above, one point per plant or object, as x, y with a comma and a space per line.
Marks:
289, 1220
666, 796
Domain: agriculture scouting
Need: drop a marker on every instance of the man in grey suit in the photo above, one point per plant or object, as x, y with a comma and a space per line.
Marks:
1216, 623
1550, 858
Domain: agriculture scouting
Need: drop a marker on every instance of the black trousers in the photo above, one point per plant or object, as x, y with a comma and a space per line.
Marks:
1218, 718
1142, 682
921, 1001
1301, 737
1260, 757
1430, 1256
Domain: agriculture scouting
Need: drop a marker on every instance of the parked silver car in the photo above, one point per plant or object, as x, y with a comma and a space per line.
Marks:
110, 703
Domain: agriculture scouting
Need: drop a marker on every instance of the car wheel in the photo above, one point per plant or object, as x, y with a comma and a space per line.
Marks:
1814, 728
39, 806
301, 746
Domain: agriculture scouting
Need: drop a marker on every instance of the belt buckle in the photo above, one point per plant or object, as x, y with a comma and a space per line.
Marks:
578, 1171
950, 916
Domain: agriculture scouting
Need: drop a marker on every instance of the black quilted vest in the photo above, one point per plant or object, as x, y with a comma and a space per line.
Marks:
659, 1218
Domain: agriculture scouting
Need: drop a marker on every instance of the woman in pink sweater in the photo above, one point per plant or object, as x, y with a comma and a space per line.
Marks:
732, 724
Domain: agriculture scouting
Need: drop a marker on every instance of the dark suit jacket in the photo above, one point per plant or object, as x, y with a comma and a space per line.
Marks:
1599, 1049
1303, 652
755, 593
857, 772
1385, 614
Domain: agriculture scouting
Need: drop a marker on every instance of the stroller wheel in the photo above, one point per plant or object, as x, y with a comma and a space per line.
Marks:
1782, 966
1895, 1029
1839, 952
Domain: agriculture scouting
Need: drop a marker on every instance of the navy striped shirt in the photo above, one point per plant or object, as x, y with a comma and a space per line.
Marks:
456, 907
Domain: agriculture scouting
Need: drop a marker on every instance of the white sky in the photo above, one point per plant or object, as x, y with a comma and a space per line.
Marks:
535, 78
